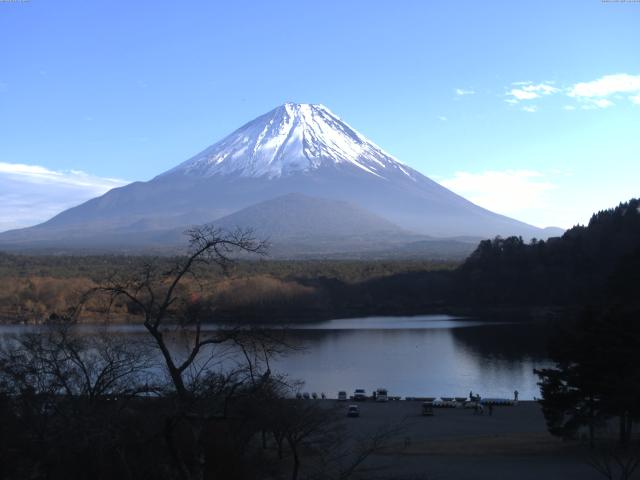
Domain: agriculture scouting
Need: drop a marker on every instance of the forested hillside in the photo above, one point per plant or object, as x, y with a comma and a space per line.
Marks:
588, 264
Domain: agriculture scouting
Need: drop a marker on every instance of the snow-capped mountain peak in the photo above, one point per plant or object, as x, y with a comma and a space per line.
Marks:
295, 149
294, 137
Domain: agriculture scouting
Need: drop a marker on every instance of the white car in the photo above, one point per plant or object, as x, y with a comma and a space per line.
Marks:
342, 396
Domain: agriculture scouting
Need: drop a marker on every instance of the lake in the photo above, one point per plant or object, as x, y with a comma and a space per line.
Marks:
426, 355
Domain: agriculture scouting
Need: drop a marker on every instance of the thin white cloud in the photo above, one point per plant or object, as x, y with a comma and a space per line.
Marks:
30, 194
606, 86
461, 92
597, 93
603, 92
603, 103
40, 175
510, 192
442, 118
593, 104
520, 94
529, 91
530, 108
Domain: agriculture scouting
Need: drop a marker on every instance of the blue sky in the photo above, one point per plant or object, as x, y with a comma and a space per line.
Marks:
530, 108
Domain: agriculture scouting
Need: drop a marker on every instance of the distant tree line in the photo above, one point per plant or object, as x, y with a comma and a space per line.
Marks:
582, 267
32, 288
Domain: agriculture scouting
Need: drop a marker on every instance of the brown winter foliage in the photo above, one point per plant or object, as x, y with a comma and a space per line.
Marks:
34, 288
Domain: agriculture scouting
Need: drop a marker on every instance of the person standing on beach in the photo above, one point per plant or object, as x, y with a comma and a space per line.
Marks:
515, 395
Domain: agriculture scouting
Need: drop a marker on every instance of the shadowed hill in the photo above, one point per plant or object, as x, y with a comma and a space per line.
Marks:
298, 216
588, 264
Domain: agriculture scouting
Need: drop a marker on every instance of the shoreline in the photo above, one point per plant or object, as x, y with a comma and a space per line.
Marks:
457, 444
513, 314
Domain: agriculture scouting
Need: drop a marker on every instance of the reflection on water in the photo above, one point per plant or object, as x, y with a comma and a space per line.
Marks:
419, 322
430, 355
426, 356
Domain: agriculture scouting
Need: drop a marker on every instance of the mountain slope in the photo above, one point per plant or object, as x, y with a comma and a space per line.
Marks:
297, 216
294, 148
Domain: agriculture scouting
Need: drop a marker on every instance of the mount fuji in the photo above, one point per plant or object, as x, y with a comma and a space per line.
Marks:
294, 149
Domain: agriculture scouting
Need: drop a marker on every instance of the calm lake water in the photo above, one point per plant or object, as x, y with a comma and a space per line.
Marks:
427, 355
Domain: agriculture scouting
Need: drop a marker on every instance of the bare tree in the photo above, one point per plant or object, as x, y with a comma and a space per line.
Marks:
161, 299
318, 441
301, 422
219, 396
58, 361
615, 462
65, 392
343, 456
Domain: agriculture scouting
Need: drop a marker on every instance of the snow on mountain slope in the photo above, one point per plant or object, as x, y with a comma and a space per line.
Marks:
291, 138
299, 148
